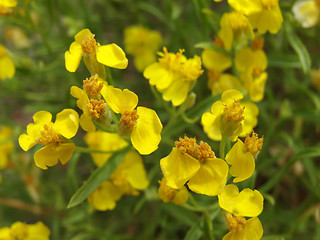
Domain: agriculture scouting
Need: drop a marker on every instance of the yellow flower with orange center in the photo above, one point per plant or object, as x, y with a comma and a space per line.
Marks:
230, 117
95, 55
174, 75
54, 136
237, 205
141, 124
195, 164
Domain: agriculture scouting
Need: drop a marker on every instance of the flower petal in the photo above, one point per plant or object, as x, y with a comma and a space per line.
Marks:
112, 55
178, 168
26, 142
146, 136
158, 76
7, 68
86, 123
177, 92
67, 123
210, 178
216, 60
252, 230
73, 57
82, 35
247, 203
229, 96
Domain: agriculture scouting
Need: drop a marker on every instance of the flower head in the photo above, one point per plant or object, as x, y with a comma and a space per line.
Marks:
7, 68
174, 75
169, 194
95, 55
141, 124
237, 205
230, 117
197, 164
54, 137
142, 43
23, 231
307, 12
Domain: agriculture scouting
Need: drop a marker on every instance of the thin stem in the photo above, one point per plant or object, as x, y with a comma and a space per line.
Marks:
207, 226
222, 147
189, 120
109, 76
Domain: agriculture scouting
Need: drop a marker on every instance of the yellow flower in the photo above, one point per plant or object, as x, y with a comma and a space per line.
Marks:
17, 37
233, 26
168, 194
237, 205
104, 197
307, 12
174, 75
19, 230
90, 102
7, 68
252, 65
142, 125
94, 54
6, 145
6, 7
142, 44
230, 117
217, 62
242, 157
264, 15
196, 164
54, 137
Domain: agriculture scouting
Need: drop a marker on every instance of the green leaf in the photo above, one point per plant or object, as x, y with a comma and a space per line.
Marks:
97, 177
299, 48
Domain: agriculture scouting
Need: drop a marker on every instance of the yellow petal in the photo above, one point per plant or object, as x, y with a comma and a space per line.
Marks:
178, 168
211, 121
26, 142
216, 60
119, 100
252, 230
246, 6
38, 231
182, 196
82, 35
256, 90
51, 153
8, 3
5, 233
7, 68
112, 55
250, 113
226, 33
105, 197
146, 136
42, 117
142, 61
229, 96
306, 12
210, 178
158, 76
242, 163
73, 57
106, 142
247, 203
86, 123
177, 92
83, 99
67, 123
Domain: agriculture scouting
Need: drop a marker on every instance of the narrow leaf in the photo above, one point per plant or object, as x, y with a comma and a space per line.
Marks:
97, 177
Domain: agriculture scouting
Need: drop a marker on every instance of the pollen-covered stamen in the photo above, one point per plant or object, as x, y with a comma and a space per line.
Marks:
96, 108
204, 152
256, 72
238, 21
235, 223
48, 135
172, 61
234, 112
92, 86
129, 119
257, 43
269, 4
19, 231
253, 144
88, 45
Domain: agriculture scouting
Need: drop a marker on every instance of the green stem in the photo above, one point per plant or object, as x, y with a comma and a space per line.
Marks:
207, 226
222, 147
109, 76
189, 120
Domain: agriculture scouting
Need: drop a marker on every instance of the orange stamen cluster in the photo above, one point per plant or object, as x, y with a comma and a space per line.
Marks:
253, 144
96, 108
48, 135
92, 86
129, 119
88, 45
256, 72
218, 42
257, 43
190, 146
234, 112
235, 223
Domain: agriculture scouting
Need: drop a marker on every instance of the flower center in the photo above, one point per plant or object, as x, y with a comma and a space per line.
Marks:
269, 4
128, 121
257, 43
234, 112
19, 231
48, 135
256, 72
190, 146
237, 21
253, 144
96, 108
235, 223
92, 86
88, 45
